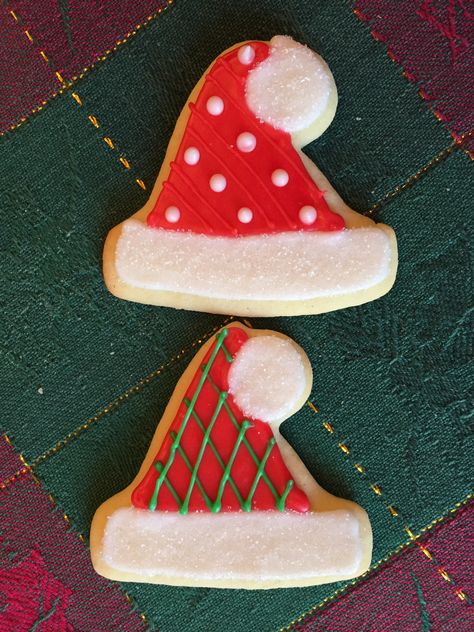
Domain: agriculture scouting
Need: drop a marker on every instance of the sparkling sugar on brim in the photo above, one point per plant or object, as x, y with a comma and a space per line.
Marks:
282, 266
260, 546
267, 378
290, 88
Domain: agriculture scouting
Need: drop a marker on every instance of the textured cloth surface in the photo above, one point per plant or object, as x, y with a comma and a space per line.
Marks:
432, 41
429, 602
392, 378
47, 582
25, 82
74, 36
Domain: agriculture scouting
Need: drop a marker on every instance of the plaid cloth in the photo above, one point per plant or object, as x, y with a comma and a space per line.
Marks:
88, 102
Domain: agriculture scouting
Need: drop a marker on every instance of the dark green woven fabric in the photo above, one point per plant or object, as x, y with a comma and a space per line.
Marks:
391, 377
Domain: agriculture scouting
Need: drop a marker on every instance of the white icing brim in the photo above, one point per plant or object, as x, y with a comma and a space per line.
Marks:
232, 547
282, 266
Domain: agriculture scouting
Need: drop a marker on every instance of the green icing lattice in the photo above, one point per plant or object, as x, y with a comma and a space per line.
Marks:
215, 506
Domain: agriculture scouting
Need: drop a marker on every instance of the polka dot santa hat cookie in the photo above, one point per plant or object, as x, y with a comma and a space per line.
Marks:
240, 220
221, 499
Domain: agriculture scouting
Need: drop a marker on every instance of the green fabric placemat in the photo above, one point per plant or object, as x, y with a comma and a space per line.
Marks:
391, 377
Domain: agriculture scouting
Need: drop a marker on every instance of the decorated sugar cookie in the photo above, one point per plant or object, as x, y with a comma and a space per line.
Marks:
221, 499
240, 221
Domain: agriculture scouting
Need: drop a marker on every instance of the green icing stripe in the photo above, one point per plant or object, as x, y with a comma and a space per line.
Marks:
219, 341
254, 457
207, 441
218, 503
154, 498
216, 454
227, 353
207, 500
217, 410
280, 503
259, 474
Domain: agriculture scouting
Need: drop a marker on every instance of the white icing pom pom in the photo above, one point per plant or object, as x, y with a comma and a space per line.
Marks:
267, 378
215, 106
191, 156
172, 214
291, 87
308, 215
280, 178
218, 182
246, 54
246, 142
245, 215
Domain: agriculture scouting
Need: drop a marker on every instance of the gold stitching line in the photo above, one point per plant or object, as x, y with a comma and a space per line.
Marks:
421, 92
115, 403
28, 469
341, 591
374, 487
75, 78
77, 99
125, 395
442, 155
440, 569
411, 180
36, 109
377, 490
108, 141
413, 539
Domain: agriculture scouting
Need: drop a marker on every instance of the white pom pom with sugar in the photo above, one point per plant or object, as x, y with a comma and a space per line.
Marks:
291, 88
267, 378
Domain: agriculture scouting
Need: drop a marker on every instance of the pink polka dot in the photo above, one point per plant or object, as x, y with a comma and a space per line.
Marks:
246, 142
245, 215
172, 214
218, 182
215, 106
308, 215
191, 156
280, 178
246, 54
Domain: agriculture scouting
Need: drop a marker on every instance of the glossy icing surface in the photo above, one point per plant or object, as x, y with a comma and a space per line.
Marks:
214, 457
229, 158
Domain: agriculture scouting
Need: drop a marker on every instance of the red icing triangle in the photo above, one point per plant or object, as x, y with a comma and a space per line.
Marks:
187, 201
231, 444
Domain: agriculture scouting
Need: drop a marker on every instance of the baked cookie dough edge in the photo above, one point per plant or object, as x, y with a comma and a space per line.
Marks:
321, 500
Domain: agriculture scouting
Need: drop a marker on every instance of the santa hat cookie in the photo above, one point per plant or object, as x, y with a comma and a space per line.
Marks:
221, 499
240, 221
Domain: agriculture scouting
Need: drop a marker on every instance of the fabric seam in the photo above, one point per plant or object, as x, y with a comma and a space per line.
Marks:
411, 542
75, 78
376, 489
413, 179
122, 159
71, 526
113, 405
396, 60
331, 599
92, 119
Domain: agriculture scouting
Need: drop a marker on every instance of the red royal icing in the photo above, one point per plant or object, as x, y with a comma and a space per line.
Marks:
224, 436
188, 201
